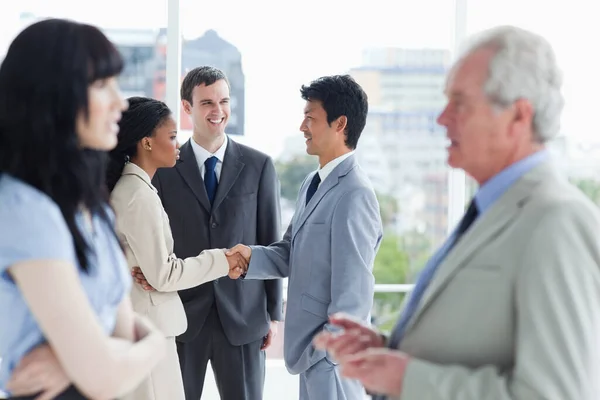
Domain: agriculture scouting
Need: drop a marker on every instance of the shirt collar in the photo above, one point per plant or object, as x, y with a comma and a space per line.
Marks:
330, 166
202, 154
494, 188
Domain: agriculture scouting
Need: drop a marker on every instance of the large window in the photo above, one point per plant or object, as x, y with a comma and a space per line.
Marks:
572, 30
400, 57
399, 52
136, 38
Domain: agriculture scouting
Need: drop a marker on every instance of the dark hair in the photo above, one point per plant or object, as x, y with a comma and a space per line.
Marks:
44, 81
340, 95
140, 120
201, 75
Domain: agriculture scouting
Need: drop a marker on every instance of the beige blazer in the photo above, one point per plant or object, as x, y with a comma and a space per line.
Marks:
143, 226
513, 311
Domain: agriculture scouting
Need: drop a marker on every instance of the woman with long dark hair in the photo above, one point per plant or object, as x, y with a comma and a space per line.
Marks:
148, 141
64, 284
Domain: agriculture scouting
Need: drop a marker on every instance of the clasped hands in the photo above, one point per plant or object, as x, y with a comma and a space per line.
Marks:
238, 258
40, 374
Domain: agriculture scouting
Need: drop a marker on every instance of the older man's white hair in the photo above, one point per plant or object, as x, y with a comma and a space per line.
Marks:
523, 67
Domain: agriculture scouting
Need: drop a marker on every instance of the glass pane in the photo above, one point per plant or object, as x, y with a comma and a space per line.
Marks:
571, 28
136, 38
399, 54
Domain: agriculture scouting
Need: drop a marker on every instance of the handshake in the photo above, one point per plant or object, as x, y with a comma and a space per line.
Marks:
238, 258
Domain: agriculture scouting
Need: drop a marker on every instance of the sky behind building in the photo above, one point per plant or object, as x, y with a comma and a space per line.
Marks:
286, 44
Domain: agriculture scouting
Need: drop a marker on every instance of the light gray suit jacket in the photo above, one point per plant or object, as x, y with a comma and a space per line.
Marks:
513, 311
328, 253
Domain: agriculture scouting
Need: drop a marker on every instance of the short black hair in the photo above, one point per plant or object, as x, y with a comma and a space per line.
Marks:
340, 95
44, 82
204, 75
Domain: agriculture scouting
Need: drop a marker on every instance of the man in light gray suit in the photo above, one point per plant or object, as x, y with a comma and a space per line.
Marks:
331, 242
509, 307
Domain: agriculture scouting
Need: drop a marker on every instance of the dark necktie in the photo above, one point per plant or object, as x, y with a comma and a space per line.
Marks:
424, 279
468, 219
312, 188
210, 178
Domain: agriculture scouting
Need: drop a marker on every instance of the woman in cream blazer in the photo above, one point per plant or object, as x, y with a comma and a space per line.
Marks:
148, 141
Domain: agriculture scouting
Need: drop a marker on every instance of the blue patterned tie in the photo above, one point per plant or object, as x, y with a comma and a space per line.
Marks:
210, 178
312, 188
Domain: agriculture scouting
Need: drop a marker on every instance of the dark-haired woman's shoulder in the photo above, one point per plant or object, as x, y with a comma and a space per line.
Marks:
15, 193
31, 225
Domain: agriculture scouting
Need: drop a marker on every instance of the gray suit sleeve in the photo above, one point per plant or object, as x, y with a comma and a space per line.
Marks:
270, 262
269, 231
355, 236
558, 324
273, 261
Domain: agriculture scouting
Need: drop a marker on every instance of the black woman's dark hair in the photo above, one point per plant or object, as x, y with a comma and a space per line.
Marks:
140, 120
44, 81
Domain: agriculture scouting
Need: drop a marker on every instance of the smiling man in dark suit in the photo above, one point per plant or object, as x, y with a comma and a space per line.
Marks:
221, 193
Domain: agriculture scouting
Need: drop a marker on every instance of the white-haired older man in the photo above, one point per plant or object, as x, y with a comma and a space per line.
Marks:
509, 307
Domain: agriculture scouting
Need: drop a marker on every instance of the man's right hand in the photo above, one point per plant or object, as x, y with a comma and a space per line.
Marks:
355, 337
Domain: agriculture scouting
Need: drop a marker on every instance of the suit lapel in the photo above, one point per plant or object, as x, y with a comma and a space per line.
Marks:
188, 168
300, 205
231, 169
483, 231
329, 183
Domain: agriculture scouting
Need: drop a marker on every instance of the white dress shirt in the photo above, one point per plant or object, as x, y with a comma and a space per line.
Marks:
202, 155
330, 166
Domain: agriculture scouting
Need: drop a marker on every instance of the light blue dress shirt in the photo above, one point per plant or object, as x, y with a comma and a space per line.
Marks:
32, 228
485, 197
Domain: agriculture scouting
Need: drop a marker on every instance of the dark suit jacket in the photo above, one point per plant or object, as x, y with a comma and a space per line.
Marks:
246, 210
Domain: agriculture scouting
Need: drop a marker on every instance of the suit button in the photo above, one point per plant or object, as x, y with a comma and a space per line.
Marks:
214, 225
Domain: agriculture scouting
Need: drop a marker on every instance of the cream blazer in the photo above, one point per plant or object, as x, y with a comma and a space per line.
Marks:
143, 226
